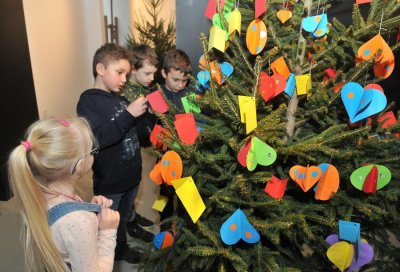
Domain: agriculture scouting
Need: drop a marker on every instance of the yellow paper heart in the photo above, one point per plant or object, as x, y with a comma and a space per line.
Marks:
284, 15
341, 254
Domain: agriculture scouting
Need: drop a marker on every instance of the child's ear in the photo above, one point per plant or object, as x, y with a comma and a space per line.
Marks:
80, 168
163, 73
100, 68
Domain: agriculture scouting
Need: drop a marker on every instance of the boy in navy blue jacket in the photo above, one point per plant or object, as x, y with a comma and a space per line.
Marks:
114, 121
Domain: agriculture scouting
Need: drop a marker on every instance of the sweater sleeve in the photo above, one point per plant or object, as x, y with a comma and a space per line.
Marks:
107, 132
82, 245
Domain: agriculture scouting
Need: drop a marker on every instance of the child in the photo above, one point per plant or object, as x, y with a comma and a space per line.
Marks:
43, 172
144, 63
117, 168
176, 70
144, 66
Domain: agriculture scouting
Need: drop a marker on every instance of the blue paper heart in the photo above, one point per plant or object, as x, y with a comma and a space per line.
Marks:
237, 227
360, 103
203, 77
290, 85
226, 69
317, 25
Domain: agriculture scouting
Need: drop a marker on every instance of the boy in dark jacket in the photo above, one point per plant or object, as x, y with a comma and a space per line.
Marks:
114, 121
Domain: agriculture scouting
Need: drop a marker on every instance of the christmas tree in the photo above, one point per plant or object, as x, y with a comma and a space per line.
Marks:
154, 31
257, 130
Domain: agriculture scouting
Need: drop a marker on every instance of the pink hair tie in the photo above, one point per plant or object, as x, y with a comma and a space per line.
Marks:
27, 144
65, 123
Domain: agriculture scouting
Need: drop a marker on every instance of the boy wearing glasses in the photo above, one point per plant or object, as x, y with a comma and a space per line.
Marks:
114, 121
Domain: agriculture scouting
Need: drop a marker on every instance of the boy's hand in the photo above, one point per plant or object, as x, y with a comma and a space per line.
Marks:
103, 201
137, 107
108, 219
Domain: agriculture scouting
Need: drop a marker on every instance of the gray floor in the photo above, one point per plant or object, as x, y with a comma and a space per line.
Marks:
11, 250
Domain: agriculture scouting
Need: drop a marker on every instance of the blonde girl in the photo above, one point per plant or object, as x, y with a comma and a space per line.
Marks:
43, 172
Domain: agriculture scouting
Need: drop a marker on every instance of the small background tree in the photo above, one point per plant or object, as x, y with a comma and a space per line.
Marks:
154, 31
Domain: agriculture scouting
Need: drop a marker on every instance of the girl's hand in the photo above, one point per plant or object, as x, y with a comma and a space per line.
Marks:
108, 219
103, 201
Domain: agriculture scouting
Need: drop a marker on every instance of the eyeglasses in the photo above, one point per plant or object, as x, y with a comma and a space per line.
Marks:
93, 152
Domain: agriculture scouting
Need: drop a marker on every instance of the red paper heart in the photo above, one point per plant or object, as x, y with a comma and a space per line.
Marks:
266, 87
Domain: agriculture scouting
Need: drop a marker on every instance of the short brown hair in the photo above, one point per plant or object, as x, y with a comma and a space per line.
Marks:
141, 53
177, 59
109, 52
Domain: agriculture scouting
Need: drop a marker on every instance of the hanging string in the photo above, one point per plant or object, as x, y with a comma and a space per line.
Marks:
237, 4
380, 25
319, 1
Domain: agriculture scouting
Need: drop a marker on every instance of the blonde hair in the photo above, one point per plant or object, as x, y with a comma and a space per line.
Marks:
54, 147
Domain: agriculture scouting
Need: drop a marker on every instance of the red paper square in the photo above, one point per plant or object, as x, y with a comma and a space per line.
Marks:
186, 127
157, 101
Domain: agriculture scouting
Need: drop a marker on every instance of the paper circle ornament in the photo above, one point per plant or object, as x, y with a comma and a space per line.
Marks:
341, 255
256, 36
171, 167
381, 177
163, 240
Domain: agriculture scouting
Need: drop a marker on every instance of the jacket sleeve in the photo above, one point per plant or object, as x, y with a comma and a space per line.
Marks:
107, 132
144, 128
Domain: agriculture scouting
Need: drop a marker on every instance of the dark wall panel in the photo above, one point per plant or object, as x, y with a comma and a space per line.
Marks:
18, 106
190, 22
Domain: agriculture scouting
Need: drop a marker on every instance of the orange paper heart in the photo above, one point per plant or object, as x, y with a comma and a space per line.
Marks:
284, 15
305, 177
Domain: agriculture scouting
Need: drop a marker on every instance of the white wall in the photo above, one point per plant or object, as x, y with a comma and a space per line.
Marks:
62, 36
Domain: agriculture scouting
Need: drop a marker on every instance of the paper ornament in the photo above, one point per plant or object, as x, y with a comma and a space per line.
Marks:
284, 15
171, 167
163, 240
256, 36
190, 197
341, 254
157, 133
365, 255
360, 103
305, 177
248, 115
269, 87
259, 153
260, 7
303, 84
237, 227
216, 39
328, 183
384, 61
185, 125
155, 174
160, 203
157, 101
317, 25
189, 104
290, 85
276, 187
280, 67
370, 178
235, 22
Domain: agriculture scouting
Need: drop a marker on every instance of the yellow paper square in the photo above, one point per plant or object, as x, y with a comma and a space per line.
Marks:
303, 84
190, 197
248, 114
235, 21
217, 39
160, 203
